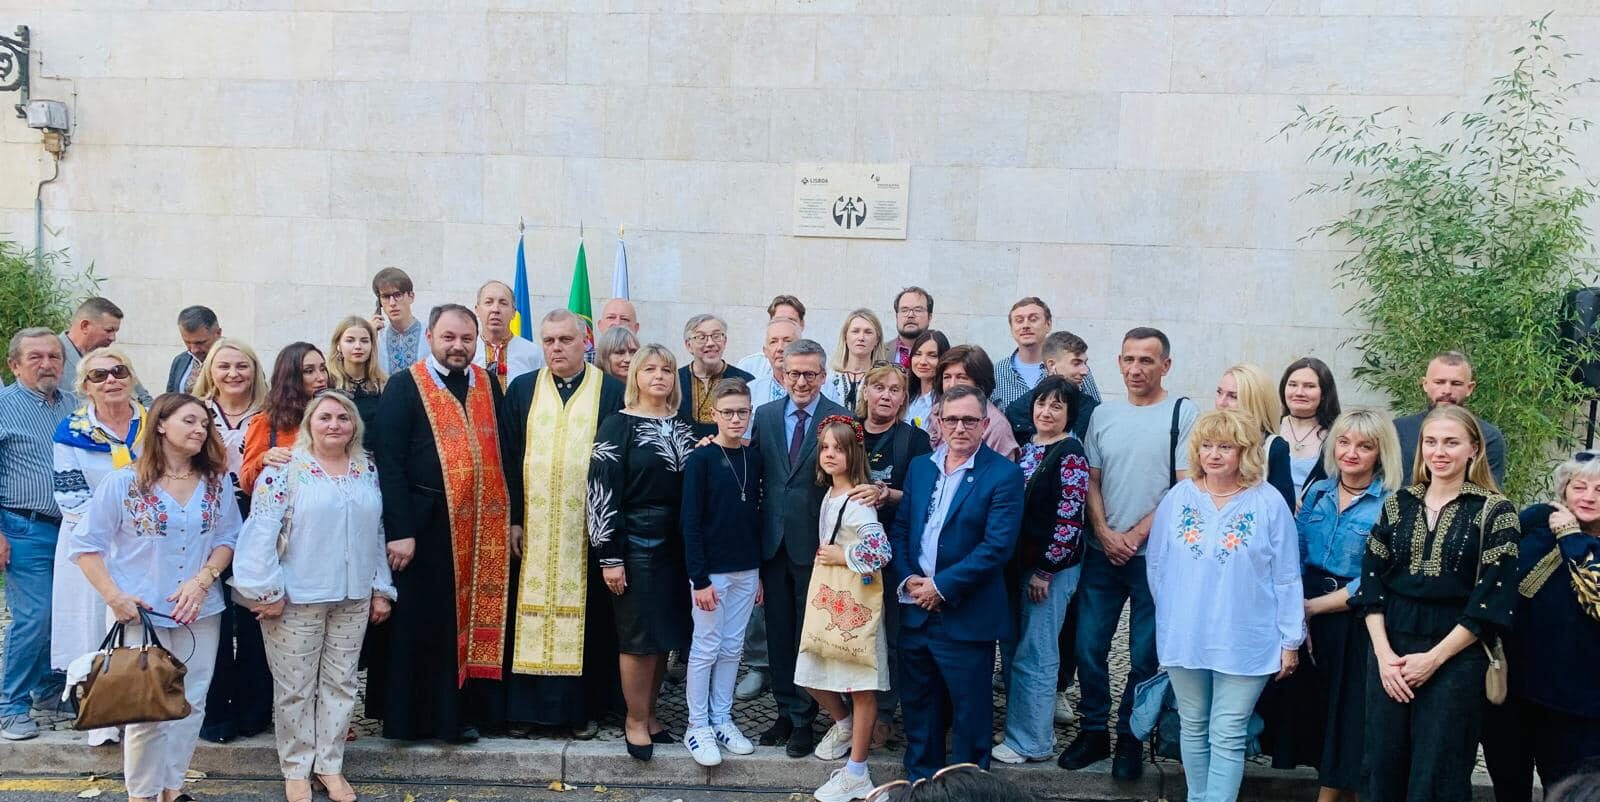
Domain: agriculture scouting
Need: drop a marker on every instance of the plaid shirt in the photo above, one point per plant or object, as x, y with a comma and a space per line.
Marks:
1009, 384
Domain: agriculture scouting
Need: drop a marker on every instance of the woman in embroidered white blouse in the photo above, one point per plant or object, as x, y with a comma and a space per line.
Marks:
311, 564
1224, 568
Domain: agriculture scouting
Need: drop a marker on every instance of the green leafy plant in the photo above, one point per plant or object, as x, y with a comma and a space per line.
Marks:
1469, 238
38, 289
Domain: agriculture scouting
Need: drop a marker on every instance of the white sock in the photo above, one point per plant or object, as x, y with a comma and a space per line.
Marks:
845, 722
856, 769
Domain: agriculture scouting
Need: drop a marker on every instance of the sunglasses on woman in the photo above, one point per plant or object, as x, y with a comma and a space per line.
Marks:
99, 375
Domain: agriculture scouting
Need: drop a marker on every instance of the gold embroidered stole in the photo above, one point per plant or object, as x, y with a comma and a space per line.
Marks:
468, 442
555, 552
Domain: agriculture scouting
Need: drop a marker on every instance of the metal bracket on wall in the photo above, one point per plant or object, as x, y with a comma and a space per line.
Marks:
14, 66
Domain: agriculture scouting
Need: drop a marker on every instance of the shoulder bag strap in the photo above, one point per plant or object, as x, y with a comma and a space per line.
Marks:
1172, 442
837, 522
1483, 533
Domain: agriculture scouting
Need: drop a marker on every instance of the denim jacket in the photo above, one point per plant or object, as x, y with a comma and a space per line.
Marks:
1335, 541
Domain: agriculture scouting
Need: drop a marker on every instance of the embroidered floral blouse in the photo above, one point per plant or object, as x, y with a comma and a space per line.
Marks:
1226, 582
85, 453
636, 486
335, 550
866, 546
1068, 496
151, 543
1426, 581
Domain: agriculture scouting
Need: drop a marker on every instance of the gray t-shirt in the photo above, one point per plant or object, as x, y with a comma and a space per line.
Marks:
1128, 445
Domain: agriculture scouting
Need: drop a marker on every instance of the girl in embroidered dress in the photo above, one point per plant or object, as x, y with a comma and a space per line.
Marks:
352, 368
849, 535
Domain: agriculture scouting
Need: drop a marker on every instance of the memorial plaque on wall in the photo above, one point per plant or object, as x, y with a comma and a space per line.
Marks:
856, 201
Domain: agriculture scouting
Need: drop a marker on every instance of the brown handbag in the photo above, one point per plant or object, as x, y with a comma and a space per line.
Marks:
131, 684
1496, 683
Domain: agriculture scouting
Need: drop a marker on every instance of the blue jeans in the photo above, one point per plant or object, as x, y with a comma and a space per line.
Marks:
1032, 662
1102, 591
1215, 709
26, 676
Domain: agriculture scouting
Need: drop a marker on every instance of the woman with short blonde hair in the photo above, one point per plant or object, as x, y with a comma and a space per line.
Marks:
1224, 571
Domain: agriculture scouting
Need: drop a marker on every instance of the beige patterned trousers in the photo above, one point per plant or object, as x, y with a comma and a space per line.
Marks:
312, 650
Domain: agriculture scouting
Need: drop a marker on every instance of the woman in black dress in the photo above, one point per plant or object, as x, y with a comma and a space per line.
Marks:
353, 369
635, 486
1438, 585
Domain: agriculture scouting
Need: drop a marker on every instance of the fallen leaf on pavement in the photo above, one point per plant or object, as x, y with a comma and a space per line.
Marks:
559, 786
411, 798
89, 793
600, 789
193, 774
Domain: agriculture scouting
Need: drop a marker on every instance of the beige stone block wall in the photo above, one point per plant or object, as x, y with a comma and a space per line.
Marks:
1116, 157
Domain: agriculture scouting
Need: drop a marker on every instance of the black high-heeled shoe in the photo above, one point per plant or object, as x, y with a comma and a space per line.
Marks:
662, 736
640, 753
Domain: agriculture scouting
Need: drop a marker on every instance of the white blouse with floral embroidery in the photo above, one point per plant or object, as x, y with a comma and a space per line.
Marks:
335, 550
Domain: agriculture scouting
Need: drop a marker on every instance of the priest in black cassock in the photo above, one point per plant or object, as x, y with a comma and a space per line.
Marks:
446, 515
561, 644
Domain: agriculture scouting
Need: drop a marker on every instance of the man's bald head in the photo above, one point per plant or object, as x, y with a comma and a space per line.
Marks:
618, 312
496, 304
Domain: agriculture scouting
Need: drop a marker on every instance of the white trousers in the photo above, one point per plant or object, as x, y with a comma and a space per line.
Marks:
313, 650
717, 646
155, 756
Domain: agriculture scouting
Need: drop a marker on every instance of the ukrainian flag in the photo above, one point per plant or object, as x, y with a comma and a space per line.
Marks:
522, 320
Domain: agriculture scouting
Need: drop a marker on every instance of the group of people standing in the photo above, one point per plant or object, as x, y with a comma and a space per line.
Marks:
509, 537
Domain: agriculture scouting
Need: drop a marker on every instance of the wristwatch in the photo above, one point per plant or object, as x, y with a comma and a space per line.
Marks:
211, 572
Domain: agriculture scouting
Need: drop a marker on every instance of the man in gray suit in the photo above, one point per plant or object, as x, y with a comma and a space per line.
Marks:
786, 432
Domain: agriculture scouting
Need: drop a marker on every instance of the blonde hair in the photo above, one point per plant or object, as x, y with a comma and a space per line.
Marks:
1587, 468
842, 354
1371, 425
630, 395
206, 388
80, 383
302, 441
1258, 398
1230, 426
338, 377
1477, 465
876, 374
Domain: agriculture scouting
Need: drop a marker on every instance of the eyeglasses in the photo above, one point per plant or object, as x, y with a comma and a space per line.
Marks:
912, 310
807, 375
99, 375
714, 337
734, 414
961, 422
392, 296
895, 790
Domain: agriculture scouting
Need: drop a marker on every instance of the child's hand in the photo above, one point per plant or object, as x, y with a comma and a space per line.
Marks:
830, 555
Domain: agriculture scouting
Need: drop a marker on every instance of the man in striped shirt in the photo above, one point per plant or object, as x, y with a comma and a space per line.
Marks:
30, 410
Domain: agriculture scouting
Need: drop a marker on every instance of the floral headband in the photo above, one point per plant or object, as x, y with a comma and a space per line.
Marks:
855, 426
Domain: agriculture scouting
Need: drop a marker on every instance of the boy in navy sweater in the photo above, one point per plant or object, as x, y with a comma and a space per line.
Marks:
722, 546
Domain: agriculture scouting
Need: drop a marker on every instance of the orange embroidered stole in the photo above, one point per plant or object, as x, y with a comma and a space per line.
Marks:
468, 442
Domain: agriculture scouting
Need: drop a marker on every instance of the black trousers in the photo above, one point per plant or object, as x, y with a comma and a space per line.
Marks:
239, 702
1520, 735
1067, 643
785, 585
1425, 750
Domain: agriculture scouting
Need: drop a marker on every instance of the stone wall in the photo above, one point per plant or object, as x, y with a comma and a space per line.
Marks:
1113, 156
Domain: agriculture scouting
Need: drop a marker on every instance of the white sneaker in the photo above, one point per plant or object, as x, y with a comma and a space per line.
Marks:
1064, 712
702, 745
843, 786
835, 743
731, 739
1005, 754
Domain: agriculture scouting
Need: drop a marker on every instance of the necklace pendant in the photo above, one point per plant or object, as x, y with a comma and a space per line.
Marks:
741, 495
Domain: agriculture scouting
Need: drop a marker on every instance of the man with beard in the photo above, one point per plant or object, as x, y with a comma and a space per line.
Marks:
30, 410
503, 354
561, 648
705, 337
913, 313
1449, 381
446, 517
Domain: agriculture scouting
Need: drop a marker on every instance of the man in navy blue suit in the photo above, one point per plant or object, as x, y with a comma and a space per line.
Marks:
953, 534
